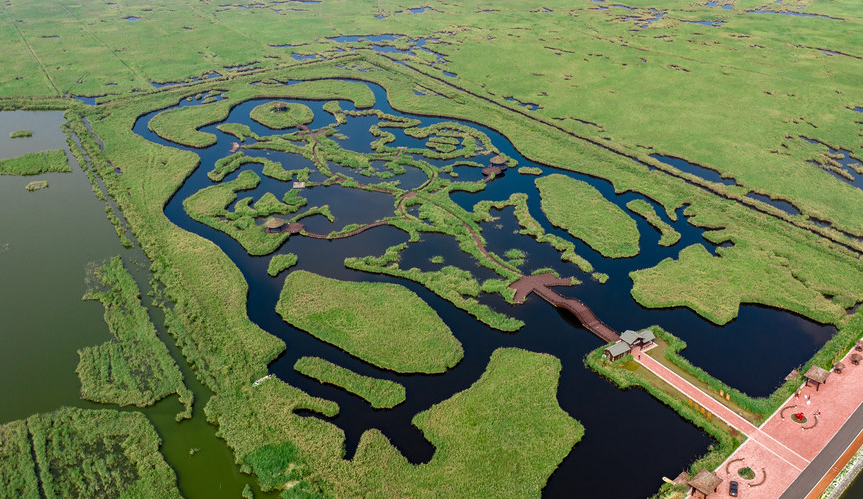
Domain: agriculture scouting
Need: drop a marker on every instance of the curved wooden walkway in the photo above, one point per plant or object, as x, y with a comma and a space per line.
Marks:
346, 234
541, 285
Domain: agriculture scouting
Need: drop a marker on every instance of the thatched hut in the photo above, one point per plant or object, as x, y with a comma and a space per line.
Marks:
280, 107
274, 225
499, 161
816, 375
704, 483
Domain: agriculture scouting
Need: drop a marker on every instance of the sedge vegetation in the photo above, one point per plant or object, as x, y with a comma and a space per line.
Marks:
642, 208
384, 324
135, 367
20, 134
36, 185
281, 262
380, 393
281, 115
581, 210
36, 163
98, 454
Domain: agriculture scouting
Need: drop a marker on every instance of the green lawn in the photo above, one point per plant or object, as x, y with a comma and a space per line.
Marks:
290, 114
384, 324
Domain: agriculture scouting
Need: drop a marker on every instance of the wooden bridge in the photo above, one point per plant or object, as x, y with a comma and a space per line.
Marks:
541, 284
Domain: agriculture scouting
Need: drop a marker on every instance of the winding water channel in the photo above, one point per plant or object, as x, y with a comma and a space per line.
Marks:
612, 418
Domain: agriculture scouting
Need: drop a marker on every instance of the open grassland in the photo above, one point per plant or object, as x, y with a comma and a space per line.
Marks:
134, 367
384, 324
99, 454
582, 211
36, 163
380, 393
228, 352
669, 236
290, 114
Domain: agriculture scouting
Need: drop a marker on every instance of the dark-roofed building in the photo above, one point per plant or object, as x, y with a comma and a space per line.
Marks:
704, 484
616, 351
816, 375
638, 339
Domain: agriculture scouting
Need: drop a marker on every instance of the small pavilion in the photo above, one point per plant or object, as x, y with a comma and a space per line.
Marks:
499, 161
616, 351
273, 225
280, 107
704, 484
816, 375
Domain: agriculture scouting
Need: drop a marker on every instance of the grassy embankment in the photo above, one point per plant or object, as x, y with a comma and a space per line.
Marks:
530, 170
281, 262
135, 367
380, 393
291, 115
35, 163
98, 454
20, 134
237, 130
581, 210
668, 236
384, 324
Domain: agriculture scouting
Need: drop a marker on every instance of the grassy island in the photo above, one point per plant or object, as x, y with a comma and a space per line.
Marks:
642, 208
380, 393
20, 134
135, 367
280, 263
36, 163
281, 115
37, 185
384, 324
581, 210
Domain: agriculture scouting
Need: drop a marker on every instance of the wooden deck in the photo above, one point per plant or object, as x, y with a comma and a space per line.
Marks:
541, 285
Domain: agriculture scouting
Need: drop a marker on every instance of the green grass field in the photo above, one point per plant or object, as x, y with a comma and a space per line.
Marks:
380, 393
384, 324
281, 115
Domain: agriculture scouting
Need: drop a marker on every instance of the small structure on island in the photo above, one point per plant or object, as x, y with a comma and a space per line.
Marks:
294, 228
274, 225
704, 484
816, 375
488, 171
616, 351
299, 185
280, 107
499, 161
638, 339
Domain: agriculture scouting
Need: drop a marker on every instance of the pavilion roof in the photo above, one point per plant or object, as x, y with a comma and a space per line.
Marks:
274, 223
705, 482
818, 374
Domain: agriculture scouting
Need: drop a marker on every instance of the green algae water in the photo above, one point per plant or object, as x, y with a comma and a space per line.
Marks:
47, 238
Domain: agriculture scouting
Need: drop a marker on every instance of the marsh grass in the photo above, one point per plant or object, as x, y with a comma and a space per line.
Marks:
135, 367
280, 263
581, 210
380, 393
384, 324
20, 134
36, 163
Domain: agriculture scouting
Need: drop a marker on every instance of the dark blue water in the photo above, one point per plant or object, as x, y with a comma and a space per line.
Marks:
782, 205
698, 171
764, 10
606, 412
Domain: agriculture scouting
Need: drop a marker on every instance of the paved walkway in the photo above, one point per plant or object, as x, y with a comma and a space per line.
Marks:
789, 459
730, 417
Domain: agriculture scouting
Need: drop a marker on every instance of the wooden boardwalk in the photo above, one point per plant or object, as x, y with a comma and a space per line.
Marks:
346, 234
541, 285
